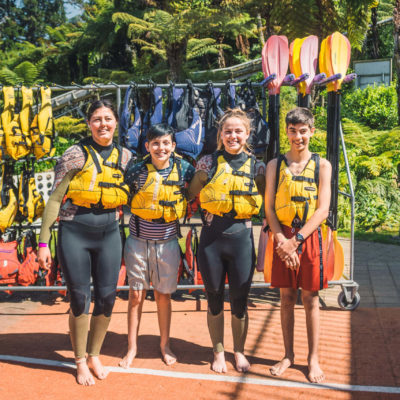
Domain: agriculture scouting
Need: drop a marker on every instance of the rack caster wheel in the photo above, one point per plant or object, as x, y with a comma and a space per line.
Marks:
344, 304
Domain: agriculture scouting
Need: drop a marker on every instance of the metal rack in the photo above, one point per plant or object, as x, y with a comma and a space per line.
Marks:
348, 298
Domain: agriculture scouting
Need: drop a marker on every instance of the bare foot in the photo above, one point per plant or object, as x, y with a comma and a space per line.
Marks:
219, 365
242, 365
315, 373
96, 366
279, 368
168, 356
127, 360
83, 374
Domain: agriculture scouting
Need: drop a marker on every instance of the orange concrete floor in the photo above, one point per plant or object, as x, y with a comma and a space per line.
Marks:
359, 350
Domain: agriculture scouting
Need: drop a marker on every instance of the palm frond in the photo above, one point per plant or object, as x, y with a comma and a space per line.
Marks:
8, 77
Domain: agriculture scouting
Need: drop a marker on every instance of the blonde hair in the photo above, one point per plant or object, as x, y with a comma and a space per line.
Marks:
233, 113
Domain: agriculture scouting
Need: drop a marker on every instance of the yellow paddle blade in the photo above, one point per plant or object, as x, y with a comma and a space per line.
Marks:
328, 63
321, 59
296, 61
339, 56
339, 258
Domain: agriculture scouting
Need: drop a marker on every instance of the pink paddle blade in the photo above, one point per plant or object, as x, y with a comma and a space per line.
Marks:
278, 61
309, 60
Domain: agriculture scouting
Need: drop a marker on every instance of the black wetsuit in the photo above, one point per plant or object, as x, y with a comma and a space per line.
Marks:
227, 247
90, 246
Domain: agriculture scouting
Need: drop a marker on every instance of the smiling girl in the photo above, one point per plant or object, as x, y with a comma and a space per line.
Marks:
230, 183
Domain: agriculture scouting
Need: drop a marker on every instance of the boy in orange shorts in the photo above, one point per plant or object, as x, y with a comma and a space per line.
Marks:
297, 199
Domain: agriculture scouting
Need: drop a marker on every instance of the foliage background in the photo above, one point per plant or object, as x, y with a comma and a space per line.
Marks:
123, 40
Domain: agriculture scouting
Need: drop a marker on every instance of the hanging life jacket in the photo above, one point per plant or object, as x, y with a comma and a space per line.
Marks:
153, 116
213, 113
230, 95
26, 113
28, 272
231, 192
161, 200
9, 203
42, 129
190, 259
30, 201
130, 121
189, 141
3, 150
206, 103
18, 144
296, 195
260, 133
9, 263
99, 185
174, 103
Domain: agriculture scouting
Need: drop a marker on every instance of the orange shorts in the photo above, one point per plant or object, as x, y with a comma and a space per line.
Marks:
312, 274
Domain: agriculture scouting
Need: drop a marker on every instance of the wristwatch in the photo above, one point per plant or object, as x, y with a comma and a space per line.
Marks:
299, 237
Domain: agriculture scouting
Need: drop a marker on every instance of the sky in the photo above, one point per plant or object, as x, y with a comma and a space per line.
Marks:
72, 11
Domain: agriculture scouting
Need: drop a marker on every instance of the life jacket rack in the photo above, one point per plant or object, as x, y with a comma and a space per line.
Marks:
70, 101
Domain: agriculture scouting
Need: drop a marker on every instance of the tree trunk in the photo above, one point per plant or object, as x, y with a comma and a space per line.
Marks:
374, 32
73, 67
268, 23
260, 29
396, 36
176, 56
221, 54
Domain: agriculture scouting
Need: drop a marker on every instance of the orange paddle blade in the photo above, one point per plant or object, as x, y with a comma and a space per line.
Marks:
339, 56
339, 258
269, 252
328, 251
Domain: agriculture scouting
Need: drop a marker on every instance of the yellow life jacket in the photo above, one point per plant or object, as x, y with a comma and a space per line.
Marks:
42, 127
296, 195
99, 185
161, 199
30, 201
9, 203
231, 192
26, 114
3, 150
17, 143
6, 116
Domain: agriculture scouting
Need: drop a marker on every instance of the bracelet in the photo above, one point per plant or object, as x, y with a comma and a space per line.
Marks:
41, 244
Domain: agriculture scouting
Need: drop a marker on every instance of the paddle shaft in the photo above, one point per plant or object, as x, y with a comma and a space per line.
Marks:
273, 119
332, 152
303, 100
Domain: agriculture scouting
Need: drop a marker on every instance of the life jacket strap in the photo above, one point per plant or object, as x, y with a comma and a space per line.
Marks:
301, 178
95, 159
111, 185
